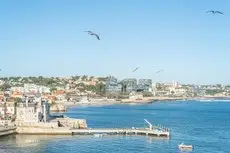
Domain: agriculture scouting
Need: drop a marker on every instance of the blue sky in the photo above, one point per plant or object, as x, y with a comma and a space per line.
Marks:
46, 37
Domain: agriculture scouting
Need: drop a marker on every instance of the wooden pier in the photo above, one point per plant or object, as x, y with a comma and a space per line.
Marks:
7, 131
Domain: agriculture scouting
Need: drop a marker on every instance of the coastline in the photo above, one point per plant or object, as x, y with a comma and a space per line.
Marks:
147, 100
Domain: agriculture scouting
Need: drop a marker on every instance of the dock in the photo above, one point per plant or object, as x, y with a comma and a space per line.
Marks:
93, 131
7, 131
147, 132
156, 131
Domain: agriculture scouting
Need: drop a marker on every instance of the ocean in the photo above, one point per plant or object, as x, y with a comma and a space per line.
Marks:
205, 125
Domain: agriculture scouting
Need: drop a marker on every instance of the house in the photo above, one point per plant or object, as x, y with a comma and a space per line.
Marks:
1, 97
51, 99
59, 94
7, 109
16, 94
92, 83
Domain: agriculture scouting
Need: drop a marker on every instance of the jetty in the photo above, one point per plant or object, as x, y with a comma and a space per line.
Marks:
7, 130
157, 131
132, 131
92, 131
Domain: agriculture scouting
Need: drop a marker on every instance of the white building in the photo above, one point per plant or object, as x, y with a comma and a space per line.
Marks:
17, 89
7, 107
1, 82
43, 89
30, 113
35, 88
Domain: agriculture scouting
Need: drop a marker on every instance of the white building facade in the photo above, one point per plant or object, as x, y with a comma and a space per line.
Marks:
30, 113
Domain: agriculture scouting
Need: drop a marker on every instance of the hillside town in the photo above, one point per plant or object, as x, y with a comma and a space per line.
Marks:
29, 100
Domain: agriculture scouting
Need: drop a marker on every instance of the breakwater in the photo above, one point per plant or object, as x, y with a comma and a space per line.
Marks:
107, 131
7, 130
147, 132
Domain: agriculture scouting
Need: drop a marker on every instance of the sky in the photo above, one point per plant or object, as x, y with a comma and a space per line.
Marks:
47, 37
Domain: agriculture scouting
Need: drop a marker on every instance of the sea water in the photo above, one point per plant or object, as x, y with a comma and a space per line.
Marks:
205, 125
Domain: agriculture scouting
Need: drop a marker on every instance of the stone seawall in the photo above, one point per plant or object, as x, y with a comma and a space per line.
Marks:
66, 131
45, 131
40, 125
72, 123
7, 130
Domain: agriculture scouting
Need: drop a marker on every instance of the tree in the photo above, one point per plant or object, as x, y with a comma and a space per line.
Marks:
211, 92
91, 78
103, 79
159, 86
48, 81
147, 94
4, 87
53, 89
76, 77
84, 77
17, 100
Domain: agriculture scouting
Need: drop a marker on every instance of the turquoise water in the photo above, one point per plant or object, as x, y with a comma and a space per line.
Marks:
205, 125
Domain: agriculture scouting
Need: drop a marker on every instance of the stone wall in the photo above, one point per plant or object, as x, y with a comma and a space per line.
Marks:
72, 123
7, 131
40, 125
46, 131
6, 123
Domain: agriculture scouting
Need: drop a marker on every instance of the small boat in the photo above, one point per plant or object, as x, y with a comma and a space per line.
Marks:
182, 146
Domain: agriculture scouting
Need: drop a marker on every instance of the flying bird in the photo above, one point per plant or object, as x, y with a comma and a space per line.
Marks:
215, 12
93, 34
159, 71
135, 69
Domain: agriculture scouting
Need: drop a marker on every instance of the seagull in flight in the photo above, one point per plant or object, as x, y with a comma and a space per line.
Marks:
215, 12
159, 71
93, 34
135, 69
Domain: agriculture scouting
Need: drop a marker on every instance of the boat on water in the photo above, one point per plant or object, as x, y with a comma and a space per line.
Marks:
182, 146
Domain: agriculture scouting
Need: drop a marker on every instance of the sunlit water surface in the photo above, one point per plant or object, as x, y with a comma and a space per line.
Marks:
205, 125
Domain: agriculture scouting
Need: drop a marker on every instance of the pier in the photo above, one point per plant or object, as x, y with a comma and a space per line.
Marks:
108, 131
7, 131
156, 131
94, 131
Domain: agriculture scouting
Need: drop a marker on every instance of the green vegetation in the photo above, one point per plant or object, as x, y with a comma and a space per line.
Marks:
53, 89
4, 87
17, 100
147, 94
213, 92
42, 81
